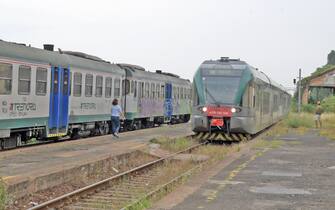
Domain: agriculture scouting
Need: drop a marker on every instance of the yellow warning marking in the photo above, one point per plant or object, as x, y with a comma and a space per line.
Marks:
56, 134
228, 137
210, 194
220, 137
205, 136
233, 174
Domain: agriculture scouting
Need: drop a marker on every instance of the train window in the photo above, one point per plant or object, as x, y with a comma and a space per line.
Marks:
147, 91
127, 86
117, 88
132, 86
162, 91
77, 82
24, 80
152, 90
135, 89
275, 103
70, 83
254, 101
123, 87
143, 90
157, 91
55, 81
108, 87
98, 86
140, 89
6, 75
41, 81
178, 93
88, 85
266, 103
66, 82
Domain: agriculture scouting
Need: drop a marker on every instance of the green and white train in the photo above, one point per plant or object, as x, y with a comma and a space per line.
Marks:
233, 100
48, 94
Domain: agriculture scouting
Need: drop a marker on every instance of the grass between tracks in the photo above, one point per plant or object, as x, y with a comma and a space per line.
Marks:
173, 145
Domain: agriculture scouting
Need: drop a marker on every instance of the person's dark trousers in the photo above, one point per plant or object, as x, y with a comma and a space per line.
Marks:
115, 124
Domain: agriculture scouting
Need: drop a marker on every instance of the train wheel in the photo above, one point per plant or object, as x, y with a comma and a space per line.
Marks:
186, 118
103, 129
75, 134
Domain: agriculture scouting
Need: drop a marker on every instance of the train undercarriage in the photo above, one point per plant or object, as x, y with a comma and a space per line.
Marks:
24, 136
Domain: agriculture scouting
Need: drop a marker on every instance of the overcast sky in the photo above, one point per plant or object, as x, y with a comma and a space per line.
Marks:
278, 37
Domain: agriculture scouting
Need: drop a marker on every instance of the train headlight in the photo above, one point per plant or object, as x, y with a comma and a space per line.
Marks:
204, 109
233, 110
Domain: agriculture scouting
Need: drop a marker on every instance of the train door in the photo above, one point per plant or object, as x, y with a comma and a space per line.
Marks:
59, 102
168, 107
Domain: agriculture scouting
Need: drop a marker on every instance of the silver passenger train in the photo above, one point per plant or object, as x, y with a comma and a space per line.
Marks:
48, 94
232, 100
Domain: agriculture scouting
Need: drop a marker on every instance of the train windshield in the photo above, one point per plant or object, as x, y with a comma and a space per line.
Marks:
220, 89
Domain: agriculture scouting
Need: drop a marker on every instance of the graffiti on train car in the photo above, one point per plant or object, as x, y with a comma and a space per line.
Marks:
150, 107
16, 109
22, 107
87, 106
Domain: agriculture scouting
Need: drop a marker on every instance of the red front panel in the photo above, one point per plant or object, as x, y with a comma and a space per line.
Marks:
213, 111
217, 122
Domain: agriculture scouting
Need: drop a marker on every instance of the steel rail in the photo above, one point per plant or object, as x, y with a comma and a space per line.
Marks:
66, 197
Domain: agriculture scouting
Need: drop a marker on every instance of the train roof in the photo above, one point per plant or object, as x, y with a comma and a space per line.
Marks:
237, 64
224, 63
56, 58
265, 78
139, 72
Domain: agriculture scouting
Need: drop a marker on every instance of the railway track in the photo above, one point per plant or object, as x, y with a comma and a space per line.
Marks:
124, 190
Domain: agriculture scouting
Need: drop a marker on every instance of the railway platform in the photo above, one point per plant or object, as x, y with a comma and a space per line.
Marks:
31, 169
297, 174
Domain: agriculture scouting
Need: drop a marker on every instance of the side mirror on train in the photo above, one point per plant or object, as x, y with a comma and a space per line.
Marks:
294, 81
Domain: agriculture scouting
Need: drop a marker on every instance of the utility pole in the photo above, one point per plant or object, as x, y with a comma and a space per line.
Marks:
299, 92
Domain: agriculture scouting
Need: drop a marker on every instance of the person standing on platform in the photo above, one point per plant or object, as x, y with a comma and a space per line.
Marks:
116, 114
317, 116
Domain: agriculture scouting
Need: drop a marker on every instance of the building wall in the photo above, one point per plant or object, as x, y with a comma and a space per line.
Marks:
327, 79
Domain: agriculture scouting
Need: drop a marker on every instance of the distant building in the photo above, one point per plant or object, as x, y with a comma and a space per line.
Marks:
319, 86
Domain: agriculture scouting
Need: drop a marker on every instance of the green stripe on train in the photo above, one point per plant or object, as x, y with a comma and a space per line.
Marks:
22, 123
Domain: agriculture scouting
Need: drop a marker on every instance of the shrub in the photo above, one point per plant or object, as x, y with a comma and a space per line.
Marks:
299, 120
328, 104
309, 108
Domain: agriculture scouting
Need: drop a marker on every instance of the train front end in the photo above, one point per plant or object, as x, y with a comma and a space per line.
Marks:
218, 89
